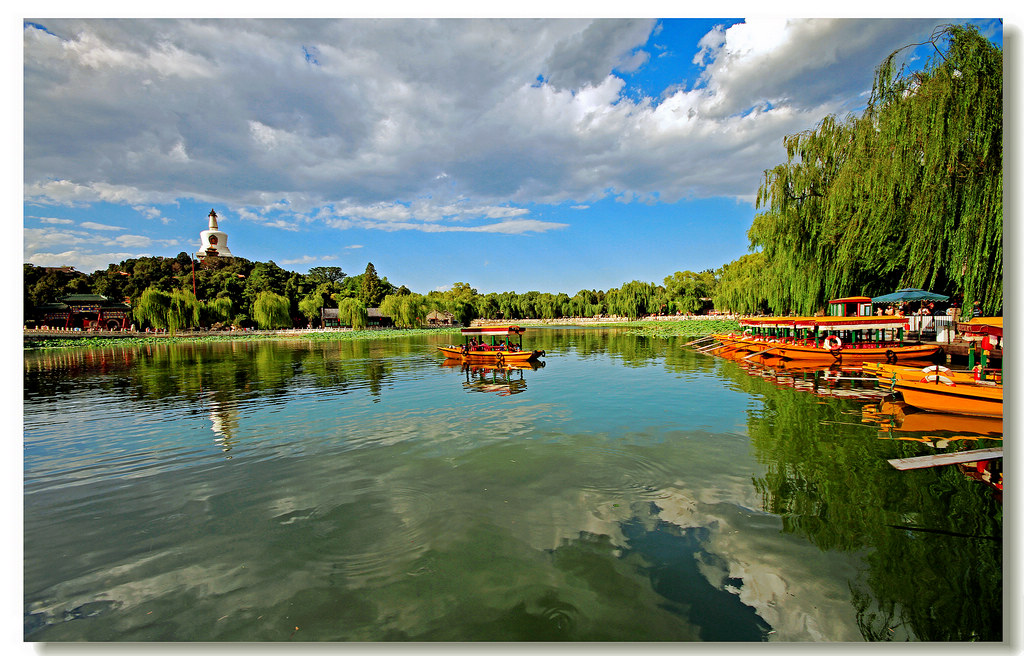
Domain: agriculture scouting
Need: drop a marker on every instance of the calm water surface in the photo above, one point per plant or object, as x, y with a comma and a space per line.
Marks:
628, 489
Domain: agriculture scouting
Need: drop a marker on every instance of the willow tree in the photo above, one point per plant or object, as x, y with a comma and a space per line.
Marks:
351, 312
909, 194
218, 310
152, 307
184, 311
171, 311
406, 310
270, 311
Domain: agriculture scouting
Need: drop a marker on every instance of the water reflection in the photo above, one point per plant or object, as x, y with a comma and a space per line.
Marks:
503, 380
354, 490
224, 423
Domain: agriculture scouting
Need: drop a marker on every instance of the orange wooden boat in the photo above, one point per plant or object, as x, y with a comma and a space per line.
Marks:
888, 372
937, 393
498, 352
850, 333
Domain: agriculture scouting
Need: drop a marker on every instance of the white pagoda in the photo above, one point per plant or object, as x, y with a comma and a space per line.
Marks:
213, 242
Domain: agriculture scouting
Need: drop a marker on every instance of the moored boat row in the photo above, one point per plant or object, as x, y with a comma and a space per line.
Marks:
850, 333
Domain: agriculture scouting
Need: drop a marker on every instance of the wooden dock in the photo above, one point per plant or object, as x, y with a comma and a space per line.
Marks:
941, 459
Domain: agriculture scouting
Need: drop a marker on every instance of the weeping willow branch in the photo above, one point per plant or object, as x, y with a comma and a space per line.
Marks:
907, 194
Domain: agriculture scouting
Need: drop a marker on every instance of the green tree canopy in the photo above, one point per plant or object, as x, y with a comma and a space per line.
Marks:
907, 195
270, 311
352, 312
326, 274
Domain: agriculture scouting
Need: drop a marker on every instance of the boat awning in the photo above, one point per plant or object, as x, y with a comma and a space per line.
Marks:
855, 323
852, 299
981, 326
827, 323
494, 330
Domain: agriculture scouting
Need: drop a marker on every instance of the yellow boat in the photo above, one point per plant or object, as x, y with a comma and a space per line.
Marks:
497, 352
923, 372
980, 398
975, 392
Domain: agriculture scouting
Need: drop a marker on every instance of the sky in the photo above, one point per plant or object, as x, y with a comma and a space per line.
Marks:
514, 154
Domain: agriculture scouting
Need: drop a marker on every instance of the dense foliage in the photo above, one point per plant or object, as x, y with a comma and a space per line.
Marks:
909, 194
235, 291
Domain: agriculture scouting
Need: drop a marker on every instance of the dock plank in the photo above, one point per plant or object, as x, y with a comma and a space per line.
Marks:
940, 459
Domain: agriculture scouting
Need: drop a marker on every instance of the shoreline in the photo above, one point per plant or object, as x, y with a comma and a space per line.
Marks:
652, 326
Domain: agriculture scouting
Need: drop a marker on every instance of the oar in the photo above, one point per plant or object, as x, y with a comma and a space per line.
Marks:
760, 352
702, 339
708, 348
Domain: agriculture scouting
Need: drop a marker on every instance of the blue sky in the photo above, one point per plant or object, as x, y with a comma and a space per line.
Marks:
550, 155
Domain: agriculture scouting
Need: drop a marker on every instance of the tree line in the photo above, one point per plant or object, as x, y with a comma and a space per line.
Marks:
179, 293
907, 194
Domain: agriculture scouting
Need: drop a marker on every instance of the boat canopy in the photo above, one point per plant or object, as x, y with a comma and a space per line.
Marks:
496, 331
978, 327
827, 323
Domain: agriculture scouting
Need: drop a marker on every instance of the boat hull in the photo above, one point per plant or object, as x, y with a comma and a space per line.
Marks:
489, 357
958, 399
848, 352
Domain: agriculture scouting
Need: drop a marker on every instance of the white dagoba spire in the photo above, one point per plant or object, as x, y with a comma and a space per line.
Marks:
213, 242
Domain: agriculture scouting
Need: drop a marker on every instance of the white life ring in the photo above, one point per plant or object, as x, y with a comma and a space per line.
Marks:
833, 343
748, 332
938, 378
936, 368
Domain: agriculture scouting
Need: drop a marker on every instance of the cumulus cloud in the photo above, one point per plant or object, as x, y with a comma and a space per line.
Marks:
431, 125
90, 225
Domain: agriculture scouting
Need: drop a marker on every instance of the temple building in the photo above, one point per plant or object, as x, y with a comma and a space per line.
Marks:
212, 241
84, 312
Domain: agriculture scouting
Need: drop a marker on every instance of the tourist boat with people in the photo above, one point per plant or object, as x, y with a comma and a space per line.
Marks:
499, 351
848, 333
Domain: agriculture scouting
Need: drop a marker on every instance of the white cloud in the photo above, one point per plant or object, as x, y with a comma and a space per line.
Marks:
90, 225
307, 259
84, 261
423, 125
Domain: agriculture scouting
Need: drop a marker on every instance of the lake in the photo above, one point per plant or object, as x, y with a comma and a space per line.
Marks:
630, 489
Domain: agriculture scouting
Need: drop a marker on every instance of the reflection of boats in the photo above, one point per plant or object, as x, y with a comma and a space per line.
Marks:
497, 352
849, 334
504, 380
898, 416
834, 381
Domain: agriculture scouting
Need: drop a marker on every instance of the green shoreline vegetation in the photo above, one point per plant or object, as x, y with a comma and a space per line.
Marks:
654, 329
907, 194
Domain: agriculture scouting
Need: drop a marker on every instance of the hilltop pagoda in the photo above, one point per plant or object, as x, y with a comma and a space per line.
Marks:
213, 242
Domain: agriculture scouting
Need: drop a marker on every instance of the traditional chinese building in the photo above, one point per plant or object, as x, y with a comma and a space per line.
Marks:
213, 242
86, 312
